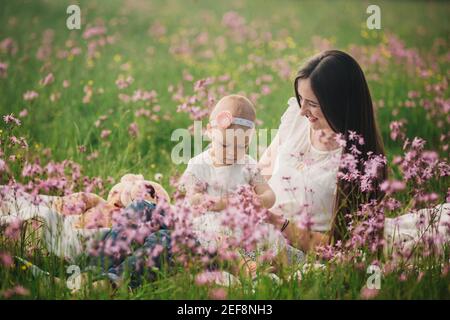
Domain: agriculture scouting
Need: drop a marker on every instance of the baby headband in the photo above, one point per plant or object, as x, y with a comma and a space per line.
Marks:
224, 119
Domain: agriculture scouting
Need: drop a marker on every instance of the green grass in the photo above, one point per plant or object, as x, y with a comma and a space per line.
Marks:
67, 123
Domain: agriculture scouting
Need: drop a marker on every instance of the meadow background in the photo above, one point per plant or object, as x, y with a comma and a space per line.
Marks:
109, 96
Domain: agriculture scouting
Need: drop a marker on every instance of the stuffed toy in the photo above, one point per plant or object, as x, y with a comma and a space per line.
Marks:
95, 212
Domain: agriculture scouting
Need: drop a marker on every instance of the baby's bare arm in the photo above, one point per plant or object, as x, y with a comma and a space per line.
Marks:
265, 194
76, 203
92, 200
100, 216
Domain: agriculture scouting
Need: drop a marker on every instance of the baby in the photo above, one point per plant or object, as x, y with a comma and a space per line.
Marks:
212, 176
95, 212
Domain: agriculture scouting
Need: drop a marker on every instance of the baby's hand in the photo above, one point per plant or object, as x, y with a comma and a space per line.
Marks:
265, 195
196, 199
258, 197
218, 203
204, 202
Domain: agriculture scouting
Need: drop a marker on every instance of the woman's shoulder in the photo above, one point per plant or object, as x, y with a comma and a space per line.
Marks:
292, 109
292, 122
293, 103
292, 113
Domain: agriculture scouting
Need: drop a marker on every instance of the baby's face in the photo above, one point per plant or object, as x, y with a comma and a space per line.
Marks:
230, 145
124, 193
114, 195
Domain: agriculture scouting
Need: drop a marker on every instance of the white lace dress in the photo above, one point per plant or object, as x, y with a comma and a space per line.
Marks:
303, 178
304, 181
219, 181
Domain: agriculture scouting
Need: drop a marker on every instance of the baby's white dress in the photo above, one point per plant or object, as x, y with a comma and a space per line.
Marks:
220, 181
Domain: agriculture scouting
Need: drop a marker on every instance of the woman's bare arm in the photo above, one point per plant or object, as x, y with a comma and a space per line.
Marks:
302, 239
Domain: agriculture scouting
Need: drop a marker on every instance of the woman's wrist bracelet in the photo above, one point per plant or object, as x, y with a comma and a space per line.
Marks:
285, 224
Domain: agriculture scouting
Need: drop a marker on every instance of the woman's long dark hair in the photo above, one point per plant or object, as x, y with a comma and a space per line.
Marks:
344, 97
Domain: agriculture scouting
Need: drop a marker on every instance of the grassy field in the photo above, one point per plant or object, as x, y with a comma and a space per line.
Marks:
133, 63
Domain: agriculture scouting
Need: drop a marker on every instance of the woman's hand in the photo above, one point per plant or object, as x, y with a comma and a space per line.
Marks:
305, 240
250, 268
276, 220
247, 267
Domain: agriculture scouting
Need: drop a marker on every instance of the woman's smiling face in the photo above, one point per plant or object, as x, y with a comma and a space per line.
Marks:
310, 106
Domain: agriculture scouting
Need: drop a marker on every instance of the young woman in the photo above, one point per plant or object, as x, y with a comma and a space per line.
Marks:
302, 163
